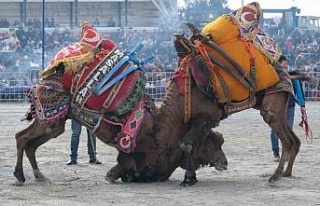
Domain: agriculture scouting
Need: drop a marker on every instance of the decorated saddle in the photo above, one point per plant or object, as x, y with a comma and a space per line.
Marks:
96, 82
240, 36
230, 60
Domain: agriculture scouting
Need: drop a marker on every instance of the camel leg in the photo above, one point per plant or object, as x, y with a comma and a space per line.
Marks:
114, 173
18, 172
190, 176
30, 150
32, 146
293, 154
34, 131
200, 128
273, 111
282, 132
22, 139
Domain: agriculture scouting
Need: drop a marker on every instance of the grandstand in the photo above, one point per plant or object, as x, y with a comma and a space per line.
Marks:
70, 13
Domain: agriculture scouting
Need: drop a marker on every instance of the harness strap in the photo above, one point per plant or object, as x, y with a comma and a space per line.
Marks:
205, 40
307, 130
184, 64
202, 50
253, 70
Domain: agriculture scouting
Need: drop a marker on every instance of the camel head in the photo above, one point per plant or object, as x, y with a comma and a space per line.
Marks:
210, 152
183, 46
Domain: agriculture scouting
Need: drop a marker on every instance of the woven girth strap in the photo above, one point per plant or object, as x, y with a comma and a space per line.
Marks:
184, 65
202, 50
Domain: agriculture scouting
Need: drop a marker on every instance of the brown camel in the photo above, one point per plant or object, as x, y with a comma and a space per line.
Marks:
167, 155
38, 133
195, 102
208, 153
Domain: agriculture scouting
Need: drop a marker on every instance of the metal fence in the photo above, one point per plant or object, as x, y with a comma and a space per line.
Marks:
14, 85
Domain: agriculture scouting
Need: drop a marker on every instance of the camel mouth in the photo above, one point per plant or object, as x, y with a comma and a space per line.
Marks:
220, 163
219, 167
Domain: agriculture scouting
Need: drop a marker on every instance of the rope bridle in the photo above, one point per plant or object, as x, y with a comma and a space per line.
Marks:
305, 125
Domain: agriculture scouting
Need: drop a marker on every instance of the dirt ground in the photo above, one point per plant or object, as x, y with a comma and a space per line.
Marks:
247, 146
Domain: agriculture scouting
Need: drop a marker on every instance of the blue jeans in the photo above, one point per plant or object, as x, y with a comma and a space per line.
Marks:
75, 137
274, 137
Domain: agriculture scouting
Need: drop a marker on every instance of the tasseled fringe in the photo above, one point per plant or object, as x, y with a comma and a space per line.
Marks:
71, 64
62, 114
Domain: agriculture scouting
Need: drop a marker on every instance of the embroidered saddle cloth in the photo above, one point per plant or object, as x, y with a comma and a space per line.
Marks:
238, 33
84, 64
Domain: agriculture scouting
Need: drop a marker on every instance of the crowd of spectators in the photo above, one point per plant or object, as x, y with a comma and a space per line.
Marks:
302, 47
21, 47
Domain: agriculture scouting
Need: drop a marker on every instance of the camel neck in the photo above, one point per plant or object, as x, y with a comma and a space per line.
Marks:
169, 120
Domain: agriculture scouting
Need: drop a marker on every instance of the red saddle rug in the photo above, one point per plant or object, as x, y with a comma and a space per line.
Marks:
82, 70
121, 104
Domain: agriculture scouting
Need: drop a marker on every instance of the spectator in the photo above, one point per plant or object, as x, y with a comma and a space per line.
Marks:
111, 23
91, 144
96, 22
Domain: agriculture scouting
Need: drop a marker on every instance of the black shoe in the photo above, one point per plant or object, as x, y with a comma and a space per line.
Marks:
72, 162
95, 161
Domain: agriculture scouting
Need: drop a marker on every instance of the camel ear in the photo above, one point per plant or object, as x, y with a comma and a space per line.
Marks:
217, 138
178, 36
192, 28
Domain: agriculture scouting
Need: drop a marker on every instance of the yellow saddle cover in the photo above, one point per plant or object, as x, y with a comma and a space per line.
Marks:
230, 34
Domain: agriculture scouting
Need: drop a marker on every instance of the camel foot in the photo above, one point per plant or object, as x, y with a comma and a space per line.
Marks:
110, 179
18, 183
274, 178
287, 174
39, 176
112, 175
19, 176
127, 178
189, 182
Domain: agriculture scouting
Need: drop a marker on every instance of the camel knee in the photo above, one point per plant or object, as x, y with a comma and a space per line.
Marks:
267, 115
29, 150
20, 141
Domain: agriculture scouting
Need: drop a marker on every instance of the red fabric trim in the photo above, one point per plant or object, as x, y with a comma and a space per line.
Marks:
179, 78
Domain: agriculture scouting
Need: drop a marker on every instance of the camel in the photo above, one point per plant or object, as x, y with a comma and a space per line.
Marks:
192, 94
167, 156
272, 108
29, 139
58, 85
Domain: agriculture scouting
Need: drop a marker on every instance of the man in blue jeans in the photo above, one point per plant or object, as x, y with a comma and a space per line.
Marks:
75, 137
299, 98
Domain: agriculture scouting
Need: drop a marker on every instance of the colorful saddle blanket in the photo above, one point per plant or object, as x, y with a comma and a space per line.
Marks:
239, 35
119, 99
82, 68
49, 101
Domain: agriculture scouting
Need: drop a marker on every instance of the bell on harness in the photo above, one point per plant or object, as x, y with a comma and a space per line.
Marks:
105, 84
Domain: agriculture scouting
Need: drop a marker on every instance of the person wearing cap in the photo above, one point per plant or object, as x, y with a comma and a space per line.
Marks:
298, 98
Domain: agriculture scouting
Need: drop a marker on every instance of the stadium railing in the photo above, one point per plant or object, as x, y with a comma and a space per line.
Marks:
14, 87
